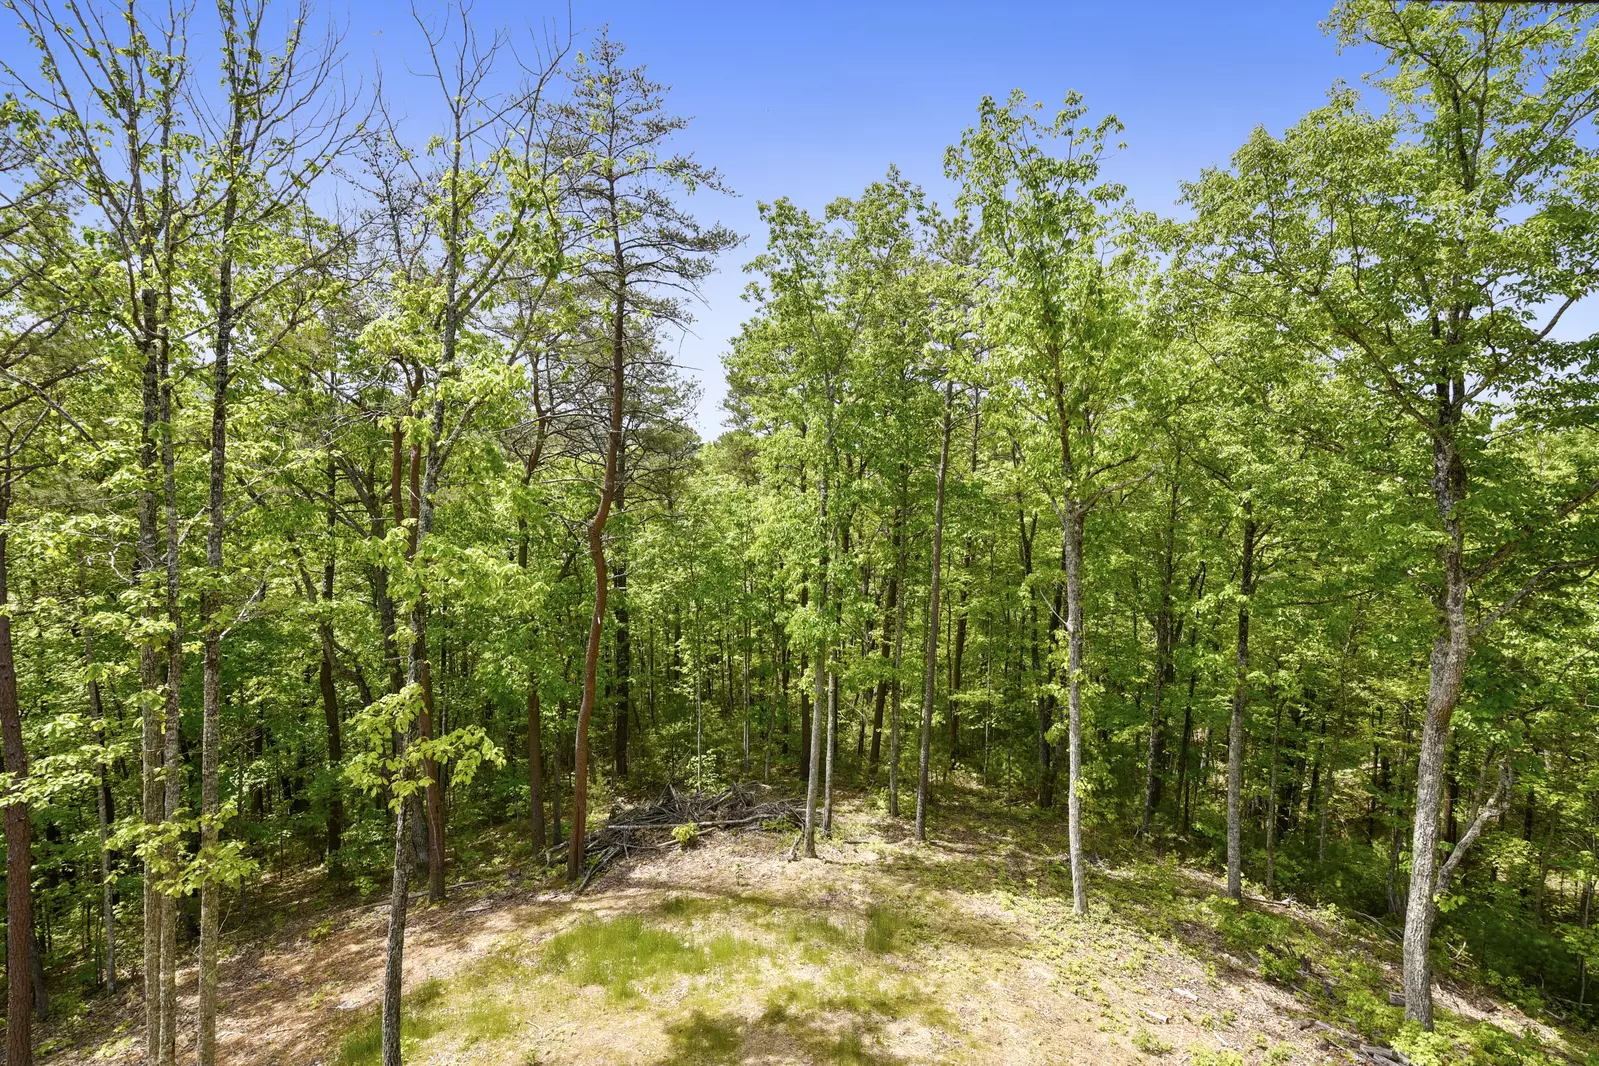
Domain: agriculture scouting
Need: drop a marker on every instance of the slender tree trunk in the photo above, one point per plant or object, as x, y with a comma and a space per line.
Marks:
899, 662
930, 667
1330, 788
804, 707
1072, 552
557, 776
832, 749
102, 796
811, 746
399, 886
819, 688
623, 635
211, 609
1235, 730
596, 539
1165, 637
890, 598
1271, 807
535, 766
417, 677
18, 831
330, 695
1446, 678
699, 707
746, 763
779, 696
434, 792
1185, 752
172, 741
423, 480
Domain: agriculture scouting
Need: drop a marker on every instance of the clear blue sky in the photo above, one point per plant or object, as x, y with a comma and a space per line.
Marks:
813, 101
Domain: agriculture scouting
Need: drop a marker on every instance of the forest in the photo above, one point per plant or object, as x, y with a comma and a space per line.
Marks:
1229, 569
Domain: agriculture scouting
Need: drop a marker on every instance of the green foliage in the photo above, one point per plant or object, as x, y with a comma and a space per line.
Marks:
1148, 1043
1213, 1057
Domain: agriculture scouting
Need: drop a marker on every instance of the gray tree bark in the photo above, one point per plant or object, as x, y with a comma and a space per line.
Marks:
1072, 553
1235, 727
930, 667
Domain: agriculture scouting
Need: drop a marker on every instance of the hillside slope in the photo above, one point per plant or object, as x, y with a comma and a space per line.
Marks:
963, 950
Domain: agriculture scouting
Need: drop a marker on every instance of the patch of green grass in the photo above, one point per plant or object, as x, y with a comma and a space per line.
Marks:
470, 1007
363, 1046
817, 938
883, 927
701, 1039
618, 954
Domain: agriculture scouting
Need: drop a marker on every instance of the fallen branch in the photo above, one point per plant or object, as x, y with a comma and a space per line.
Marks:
640, 828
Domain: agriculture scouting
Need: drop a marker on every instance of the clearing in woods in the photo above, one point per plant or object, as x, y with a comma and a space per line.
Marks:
963, 950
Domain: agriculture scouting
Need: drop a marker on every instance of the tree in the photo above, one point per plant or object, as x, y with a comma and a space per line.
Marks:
644, 253
1424, 245
1059, 314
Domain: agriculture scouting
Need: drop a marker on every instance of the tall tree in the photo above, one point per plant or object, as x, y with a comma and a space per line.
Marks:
1437, 247
644, 252
1060, 315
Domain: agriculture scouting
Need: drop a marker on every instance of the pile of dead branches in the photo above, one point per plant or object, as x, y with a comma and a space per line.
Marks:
648, 827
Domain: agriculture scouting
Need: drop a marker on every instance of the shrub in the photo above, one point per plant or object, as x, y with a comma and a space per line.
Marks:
1149, 1043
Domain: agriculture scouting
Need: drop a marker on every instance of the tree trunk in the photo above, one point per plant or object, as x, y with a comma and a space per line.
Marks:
172, 742
103, 812
804, 696
1235, 730
557, 776
623, 636
832, 748
1331, 773
19, 834
434, 793
1185, 754
1446, 677
1072, 552
699, 706
819, 689
1271, 807
746, 763
330, 696
535, 767
596, 543
890, 597
930, 667
211, 607
399, 886
899, 660
1165, 637
810, 745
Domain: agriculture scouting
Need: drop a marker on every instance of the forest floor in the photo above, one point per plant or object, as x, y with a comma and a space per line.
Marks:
962, 950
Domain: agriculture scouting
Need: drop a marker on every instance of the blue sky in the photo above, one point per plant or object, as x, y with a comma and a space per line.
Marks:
814, 101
